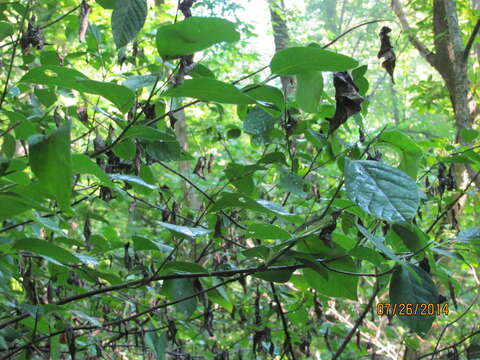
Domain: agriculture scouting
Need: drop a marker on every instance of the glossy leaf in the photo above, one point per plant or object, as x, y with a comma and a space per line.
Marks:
406, 288
381, 190
189, 232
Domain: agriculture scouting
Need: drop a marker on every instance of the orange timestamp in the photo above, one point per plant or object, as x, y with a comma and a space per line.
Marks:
421, 309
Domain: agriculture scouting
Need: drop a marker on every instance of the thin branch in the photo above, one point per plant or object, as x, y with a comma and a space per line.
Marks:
422, 49
357, 324
60, 18
14, 53
475, 31
476, 332
209, 198
352, 29
288, 338
452, 204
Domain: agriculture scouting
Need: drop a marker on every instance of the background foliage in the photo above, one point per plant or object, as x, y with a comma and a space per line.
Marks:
159, 204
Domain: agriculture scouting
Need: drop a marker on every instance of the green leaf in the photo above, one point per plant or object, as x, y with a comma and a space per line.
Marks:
167, 151
336, 285
177, 289
148, 133
14, 204
107, 4
157, 343
47, 249
279, 276
194, 34
120, 96
259, 124
297, 60
136, 82
406, 288
292, 183
133, 180
219, 295
468, 135
128, 18
410, 151
141, 243
82, 164
309, 90
200, 70
267, 232
268, 94
125, 149
472, 234
413, 238
189, 232
50, 161
6, 29
207, 89
381, 190
46, 97
379, 244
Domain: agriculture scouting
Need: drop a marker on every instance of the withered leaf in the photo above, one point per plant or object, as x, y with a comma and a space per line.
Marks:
32, 37
386, 51
348, 100
200, 167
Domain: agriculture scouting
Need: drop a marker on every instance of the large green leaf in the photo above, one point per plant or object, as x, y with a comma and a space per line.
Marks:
82, 164
47, 249
194, 34
259, 124
128, 18
406, 288
50, 161
379, 244
381, 190
296, 60
268, 94
167, 151
336, 285
120, 96
6, 29
208, 89
177, 289
309, 90
410, 151
157, 343
14, 204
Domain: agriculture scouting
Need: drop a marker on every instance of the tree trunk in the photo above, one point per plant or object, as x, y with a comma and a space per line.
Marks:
449, 61
281, 38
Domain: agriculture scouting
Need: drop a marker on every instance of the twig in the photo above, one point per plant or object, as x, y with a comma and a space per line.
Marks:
14, 53
357, 324
475, 31
288, 338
